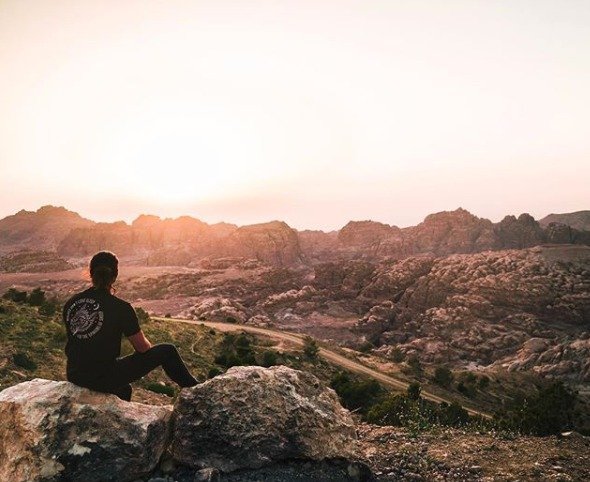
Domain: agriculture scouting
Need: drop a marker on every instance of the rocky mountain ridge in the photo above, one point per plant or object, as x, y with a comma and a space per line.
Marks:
185, 241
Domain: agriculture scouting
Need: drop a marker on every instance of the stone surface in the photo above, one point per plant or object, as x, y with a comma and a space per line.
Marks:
253, 416
58, 431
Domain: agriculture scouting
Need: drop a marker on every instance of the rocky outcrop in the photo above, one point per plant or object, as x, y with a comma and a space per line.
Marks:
58, 431
559, 233
519, 233
450, 232
485, 308
38, 230
185, 240
274, 243
252, 416
278, 418
33, 262
579, 220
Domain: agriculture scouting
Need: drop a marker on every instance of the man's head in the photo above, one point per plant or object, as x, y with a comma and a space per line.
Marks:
104, 268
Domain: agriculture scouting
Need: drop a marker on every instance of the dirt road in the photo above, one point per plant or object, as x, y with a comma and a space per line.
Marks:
328, 355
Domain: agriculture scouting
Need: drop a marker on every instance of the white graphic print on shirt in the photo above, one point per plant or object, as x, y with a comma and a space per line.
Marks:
85, 318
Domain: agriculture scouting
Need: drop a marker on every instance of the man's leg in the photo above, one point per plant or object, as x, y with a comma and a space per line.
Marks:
122, 391
133, 367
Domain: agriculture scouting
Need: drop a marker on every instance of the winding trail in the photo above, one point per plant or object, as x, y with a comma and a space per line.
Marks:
326, 354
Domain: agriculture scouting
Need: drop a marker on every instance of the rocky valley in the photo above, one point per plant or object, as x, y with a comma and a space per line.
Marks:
505, 307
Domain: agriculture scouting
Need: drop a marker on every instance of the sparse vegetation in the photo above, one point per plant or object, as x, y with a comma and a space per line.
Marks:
311, 348
550, 411
160, 388
443, 376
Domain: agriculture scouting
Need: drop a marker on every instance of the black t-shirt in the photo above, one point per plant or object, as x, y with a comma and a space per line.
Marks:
95, 321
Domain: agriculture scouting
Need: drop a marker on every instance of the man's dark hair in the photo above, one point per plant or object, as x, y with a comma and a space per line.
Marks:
104, 268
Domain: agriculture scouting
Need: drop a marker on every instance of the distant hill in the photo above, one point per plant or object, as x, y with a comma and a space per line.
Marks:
185, 241
579, 220
38, 230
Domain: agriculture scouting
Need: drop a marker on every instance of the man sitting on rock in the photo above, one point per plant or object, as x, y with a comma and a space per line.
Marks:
95, 321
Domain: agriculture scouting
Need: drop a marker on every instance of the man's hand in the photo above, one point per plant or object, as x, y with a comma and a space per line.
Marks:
140, 342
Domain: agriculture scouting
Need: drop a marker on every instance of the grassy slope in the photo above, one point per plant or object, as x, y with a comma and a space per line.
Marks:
42, 339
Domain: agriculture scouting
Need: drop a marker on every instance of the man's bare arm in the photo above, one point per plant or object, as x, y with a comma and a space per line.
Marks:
140, 342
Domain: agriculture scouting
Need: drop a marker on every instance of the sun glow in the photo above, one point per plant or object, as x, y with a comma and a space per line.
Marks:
312, 112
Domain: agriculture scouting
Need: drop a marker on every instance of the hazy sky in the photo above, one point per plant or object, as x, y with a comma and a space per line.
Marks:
313, 112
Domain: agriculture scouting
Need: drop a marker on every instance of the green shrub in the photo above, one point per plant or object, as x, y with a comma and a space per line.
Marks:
415, 365
310, 348
483, 382
235, 350
167, 315
15, 295
159, 388
37, 297
366, 347
269, 358
47, 309
397, 355
356, 394
443, 376
548, 412
213, 372
22, 360
414, 391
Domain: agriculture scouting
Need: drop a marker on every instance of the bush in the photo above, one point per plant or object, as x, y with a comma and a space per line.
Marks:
453, 414
414, 391
269, 358
415, 365
159, 388
366, 347
22, 360
397, 355
37, 297
389, 412
443, 376
235, 351
548, 412
48, 309
310, 348
356, 394
167, 315
213, 372
466, 389
15, 295
483, 382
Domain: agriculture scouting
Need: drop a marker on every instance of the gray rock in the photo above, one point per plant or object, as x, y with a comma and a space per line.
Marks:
58, 431
253, 416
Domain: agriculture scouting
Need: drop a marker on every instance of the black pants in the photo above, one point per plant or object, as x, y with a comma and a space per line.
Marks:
116, 379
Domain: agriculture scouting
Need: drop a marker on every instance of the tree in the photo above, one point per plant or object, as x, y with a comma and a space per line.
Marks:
310, 348
443, 376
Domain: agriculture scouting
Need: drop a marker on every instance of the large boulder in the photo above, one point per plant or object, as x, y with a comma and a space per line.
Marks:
58, 431
253, 416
